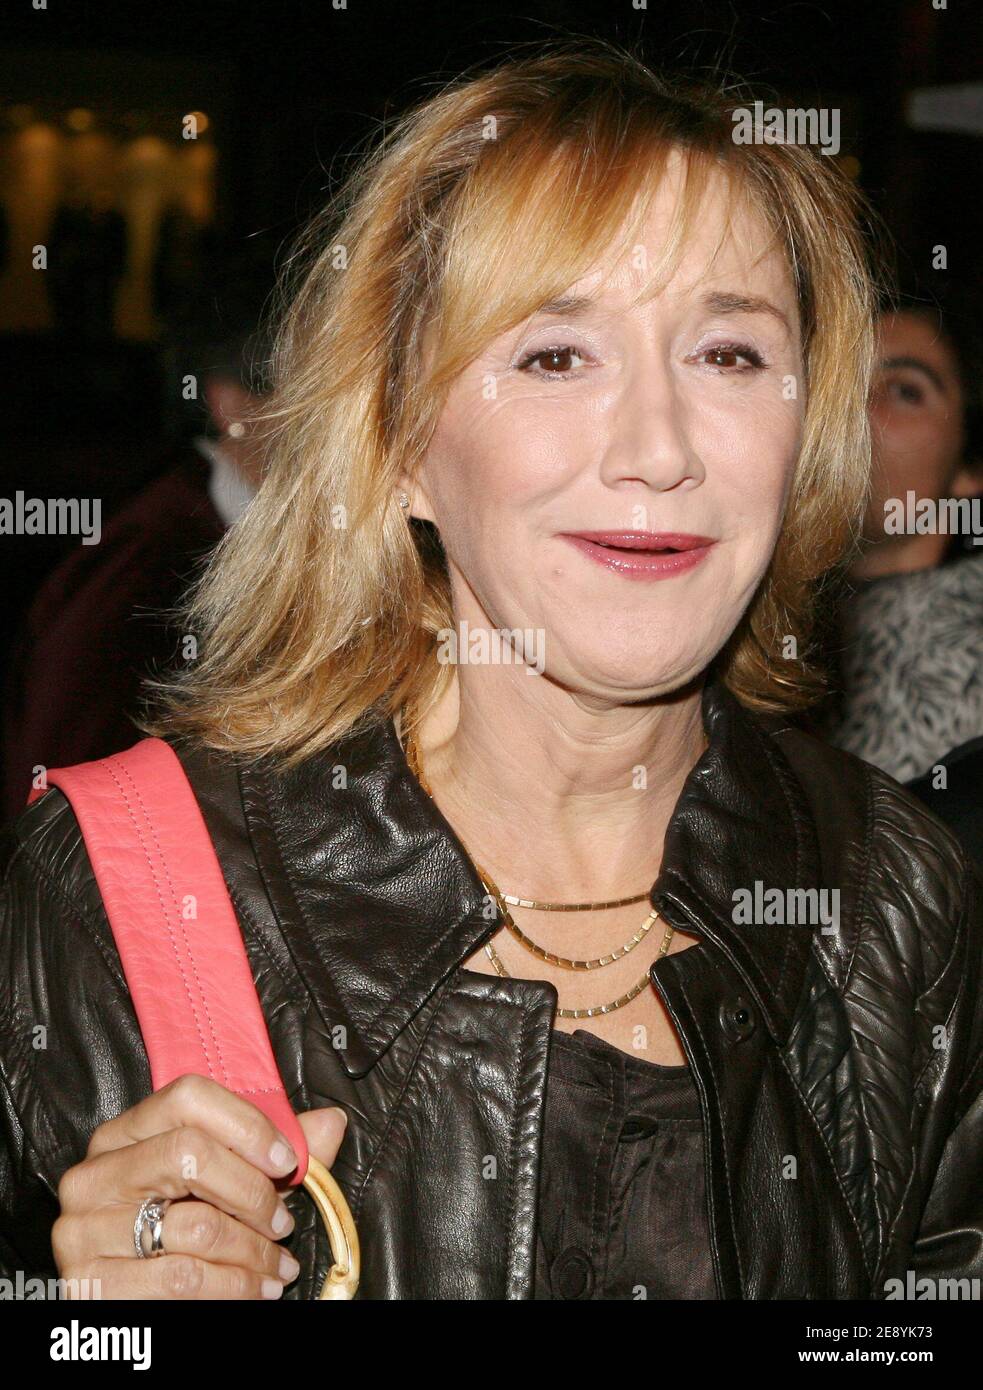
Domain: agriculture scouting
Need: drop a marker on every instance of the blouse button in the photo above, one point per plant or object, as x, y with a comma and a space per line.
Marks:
573, 1276
737, 1018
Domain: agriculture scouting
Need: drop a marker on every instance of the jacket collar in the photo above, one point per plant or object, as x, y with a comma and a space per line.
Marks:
378, 901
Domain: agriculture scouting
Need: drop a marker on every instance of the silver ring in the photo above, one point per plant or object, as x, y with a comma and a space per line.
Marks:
150, 1218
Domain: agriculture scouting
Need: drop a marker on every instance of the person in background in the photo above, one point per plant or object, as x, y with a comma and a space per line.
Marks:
908, 636
100, 622
910, 626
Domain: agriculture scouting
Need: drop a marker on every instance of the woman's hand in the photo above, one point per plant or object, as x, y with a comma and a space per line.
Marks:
217, 1156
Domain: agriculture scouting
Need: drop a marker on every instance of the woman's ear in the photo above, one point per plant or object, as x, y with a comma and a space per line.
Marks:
419, 503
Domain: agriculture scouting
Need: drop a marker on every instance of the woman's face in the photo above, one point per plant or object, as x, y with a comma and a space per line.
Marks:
675, 423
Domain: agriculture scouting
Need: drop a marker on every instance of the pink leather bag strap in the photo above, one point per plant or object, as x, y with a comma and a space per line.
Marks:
175, 928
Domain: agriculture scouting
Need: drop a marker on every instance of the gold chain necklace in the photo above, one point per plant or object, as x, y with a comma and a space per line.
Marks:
564, 961
595, 1009
413, 760
569, 907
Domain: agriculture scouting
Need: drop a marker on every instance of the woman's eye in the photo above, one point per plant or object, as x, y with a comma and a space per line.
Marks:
896, 391
907, 392
555, 360
729, 357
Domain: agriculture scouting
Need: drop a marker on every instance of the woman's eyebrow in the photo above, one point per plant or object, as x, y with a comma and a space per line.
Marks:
916, 364
724, 302
567, 304
718, 301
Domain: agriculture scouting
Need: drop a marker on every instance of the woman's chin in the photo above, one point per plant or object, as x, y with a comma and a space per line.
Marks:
629, 680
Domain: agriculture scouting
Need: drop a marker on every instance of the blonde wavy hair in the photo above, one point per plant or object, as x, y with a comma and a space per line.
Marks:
320, 607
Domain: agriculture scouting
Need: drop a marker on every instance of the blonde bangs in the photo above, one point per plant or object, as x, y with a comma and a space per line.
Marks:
535, 218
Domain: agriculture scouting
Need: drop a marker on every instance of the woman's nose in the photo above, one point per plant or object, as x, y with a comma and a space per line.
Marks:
647, 438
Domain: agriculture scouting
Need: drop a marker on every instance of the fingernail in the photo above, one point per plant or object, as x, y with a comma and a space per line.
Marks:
282, 1220
289, 1268
337, 1110
282, 1156
272, 1288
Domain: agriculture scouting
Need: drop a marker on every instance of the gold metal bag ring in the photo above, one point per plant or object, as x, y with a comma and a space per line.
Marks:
341, 1280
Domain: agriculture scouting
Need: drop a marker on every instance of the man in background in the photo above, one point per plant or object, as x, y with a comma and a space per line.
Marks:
100, 622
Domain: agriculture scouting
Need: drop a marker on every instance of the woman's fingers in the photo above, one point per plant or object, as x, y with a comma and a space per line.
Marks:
182, 1162
193, 1139
324, 1130
188, 1227
168, 1276
200, 1102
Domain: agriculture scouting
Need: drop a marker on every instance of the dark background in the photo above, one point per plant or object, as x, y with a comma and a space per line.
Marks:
294, 90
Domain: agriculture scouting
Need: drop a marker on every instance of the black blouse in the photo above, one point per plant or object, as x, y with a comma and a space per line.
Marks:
622, 1211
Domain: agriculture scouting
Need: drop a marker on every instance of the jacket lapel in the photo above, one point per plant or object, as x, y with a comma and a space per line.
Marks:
742, 820
744, 824
375, 896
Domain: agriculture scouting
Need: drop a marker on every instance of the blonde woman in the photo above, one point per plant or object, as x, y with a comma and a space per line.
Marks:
591, 976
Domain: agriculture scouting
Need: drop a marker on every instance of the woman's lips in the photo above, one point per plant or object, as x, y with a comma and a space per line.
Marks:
641, 554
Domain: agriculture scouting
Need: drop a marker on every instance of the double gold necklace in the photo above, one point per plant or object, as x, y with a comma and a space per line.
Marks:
565, 963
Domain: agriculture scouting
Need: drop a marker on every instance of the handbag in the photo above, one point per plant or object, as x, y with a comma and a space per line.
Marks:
183, 955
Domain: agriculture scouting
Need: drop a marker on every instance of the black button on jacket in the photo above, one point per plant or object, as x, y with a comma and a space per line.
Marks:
839, 1072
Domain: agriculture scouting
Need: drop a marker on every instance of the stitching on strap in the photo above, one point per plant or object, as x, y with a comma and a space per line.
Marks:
164, 915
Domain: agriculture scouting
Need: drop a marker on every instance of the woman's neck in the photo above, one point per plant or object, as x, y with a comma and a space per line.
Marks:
555, 796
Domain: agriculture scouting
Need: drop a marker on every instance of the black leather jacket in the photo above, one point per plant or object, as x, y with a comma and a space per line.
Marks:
839, 1074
